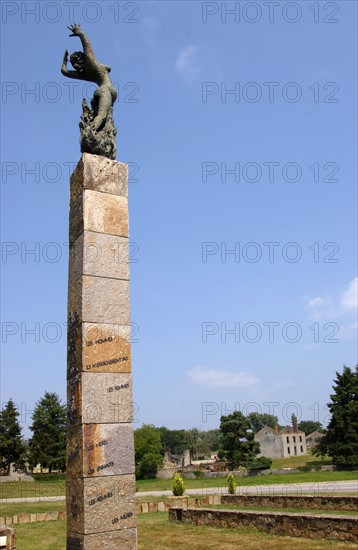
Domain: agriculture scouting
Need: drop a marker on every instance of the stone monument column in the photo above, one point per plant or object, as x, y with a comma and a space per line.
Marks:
100, 452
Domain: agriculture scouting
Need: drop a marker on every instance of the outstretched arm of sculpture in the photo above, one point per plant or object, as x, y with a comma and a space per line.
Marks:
86, 44
66, 72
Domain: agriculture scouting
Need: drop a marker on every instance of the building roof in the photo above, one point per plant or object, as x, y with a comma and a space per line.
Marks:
290, 430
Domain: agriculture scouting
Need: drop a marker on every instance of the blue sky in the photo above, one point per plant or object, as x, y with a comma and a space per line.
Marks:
241, 133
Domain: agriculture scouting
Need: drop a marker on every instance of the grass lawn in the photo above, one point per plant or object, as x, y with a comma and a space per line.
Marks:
156, 533
299, 461
15, 508
284, 510
26, 489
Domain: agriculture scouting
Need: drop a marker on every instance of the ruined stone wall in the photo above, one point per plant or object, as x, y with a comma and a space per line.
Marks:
343, 528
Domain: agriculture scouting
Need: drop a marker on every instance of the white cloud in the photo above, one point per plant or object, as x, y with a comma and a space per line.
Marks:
188, 63
325, 307
349, 298
319, 302
212, 377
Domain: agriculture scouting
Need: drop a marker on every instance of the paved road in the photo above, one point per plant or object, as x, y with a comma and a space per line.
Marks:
333, 487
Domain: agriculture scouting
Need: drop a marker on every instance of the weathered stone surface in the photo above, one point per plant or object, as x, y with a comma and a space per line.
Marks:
125, 539
100, 450
51, 516
99, 255
99, 300
108, 504
101, 398
99, 173
331, 527
24, 518
105, 213
99, 212
98, 348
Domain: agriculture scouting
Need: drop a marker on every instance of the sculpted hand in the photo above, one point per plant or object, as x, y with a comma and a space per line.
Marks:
75, 29
65, 57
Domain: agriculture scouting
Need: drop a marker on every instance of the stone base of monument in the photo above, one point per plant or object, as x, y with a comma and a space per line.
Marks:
125, 539
7, 538
100, 469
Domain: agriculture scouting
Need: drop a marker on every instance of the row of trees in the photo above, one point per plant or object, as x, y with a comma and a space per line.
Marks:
234, 439
46, 447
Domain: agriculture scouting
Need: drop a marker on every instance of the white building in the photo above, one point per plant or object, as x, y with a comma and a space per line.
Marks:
281, 443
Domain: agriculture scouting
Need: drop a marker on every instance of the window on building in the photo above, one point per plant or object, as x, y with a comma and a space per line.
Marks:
301, 438
295, 450
288, 450
294, 439
301, 449
287, 439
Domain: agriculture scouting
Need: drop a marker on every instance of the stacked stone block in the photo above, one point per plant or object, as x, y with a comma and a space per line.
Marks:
100, 488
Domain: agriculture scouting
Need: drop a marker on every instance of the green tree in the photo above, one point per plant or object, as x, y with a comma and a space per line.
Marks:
174, 441
47, 446
148, 450
214, 438
260, 420
341, 439
309, 426
12, 446
238, 440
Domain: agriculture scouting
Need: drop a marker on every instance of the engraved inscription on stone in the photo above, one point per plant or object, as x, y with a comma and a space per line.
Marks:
92, 398
98, 510
98, 348
96, 450
100, 486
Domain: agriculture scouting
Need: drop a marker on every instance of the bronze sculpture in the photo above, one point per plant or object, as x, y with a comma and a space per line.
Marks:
98, 133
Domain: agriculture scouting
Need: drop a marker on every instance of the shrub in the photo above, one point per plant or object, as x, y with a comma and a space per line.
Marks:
148, 465
178, 485
45, 478
262, 463
198, 474
231, 484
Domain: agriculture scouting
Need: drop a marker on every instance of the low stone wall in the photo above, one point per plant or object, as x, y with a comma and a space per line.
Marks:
343, 528
141, 508
32, 518
308, 502
16, 477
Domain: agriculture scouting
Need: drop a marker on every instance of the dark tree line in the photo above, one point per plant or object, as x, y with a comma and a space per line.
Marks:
46, 447
234, 440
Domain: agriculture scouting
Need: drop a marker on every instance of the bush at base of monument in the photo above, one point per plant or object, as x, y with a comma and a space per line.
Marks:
231, 484
178, 485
